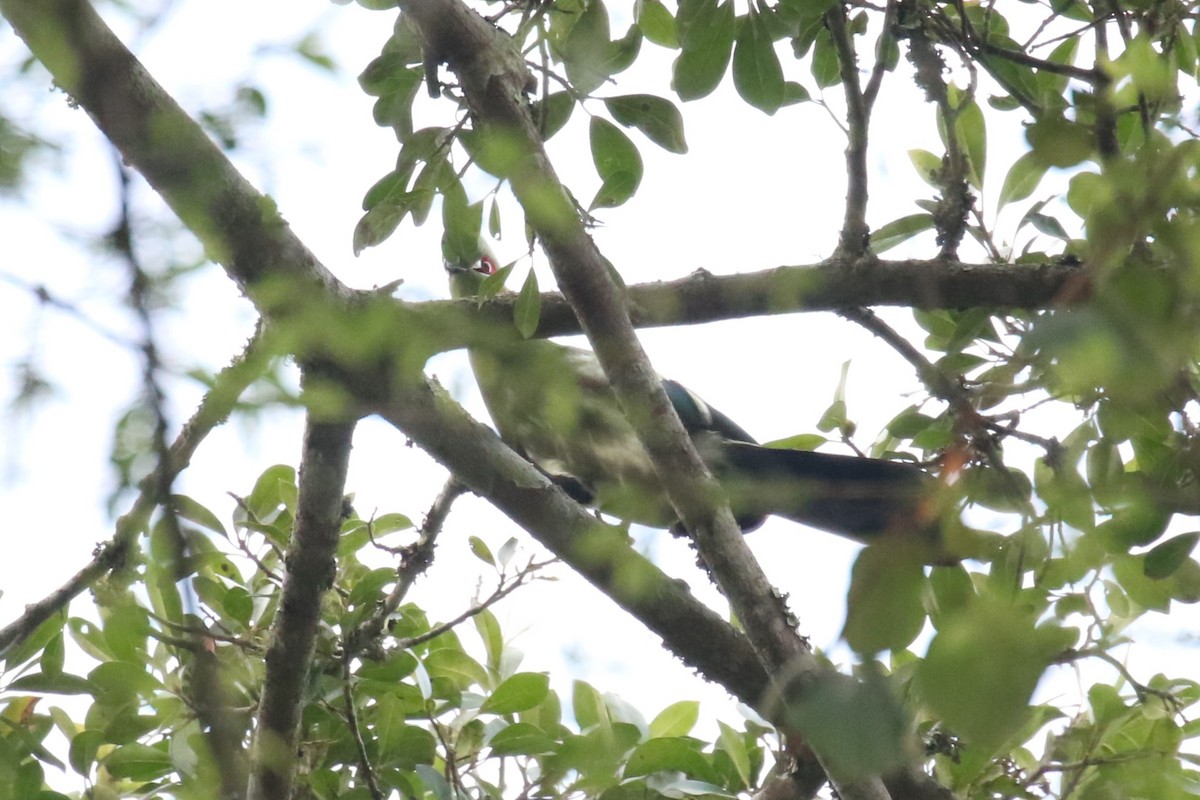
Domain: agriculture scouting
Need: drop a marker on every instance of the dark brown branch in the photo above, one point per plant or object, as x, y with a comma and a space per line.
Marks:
310, 571
853, 241
494, 88
871, 91
829, 286
602, 554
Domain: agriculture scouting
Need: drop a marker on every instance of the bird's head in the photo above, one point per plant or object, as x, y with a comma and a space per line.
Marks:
467, 277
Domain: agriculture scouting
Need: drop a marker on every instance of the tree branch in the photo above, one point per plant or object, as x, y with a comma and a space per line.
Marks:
854, 239
310, 571
831, 285
601, 554
495, 95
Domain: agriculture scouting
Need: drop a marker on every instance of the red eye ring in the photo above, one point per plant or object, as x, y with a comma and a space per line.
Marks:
486, 265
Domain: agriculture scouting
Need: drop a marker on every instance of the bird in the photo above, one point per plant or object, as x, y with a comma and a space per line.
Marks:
553, 405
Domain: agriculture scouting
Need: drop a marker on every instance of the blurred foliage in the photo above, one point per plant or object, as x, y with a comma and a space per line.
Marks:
1074, 426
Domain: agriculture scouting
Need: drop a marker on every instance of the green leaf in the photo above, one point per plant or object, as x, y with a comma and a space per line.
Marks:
518, 693
617, 162
456, 666
951, 590
981, 669
401, 744
494, 220
1048, 225
528, 308
669, 755
825, 67
707, 32
494, 284
1005, 491
677, 719
435, 782
522, 738
274, 491
23, 650
390, 523
1058, 142
239, 605
1138, 523
656, 23
1022, 179
388, 73
119, 682
586, 49
59, 683
885, 608
191, 510
971, 131
137, 762
82, 753
857, 726
1168, 556
481, 551
587, 705
757, 74
462, 221
927, 164
800, 441
735, 747
552, 113
53, 656
794, 93
493, 640
623, 52
656, 117
899, 231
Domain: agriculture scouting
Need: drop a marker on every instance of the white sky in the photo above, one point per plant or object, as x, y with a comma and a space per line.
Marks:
754, 192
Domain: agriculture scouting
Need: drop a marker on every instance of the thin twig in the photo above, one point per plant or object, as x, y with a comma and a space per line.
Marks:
506, 587
416, 559
854, 240
1142, 691
364, 760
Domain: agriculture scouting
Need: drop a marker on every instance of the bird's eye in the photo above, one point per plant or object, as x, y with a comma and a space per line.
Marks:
486, 265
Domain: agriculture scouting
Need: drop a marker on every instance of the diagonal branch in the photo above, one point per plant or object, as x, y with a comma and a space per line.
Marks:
494, 92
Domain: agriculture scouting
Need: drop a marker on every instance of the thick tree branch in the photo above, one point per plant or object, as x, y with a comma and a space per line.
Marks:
244, 233
310, 571
600, 553
58, 28
831, 285
494, 92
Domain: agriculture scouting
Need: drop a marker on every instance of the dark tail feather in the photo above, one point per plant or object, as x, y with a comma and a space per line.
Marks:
862, 498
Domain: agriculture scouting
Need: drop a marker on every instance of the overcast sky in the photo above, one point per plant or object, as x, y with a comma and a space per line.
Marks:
754, 192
